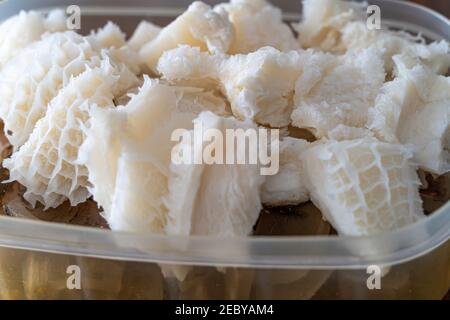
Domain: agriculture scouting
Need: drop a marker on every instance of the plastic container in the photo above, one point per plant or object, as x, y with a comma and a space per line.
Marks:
40, 260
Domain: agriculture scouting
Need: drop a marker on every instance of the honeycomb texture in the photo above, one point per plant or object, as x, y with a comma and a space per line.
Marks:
363, 186
35, 76
47, 163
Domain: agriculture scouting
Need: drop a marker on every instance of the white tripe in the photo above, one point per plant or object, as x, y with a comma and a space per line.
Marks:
199, 26
144, 33
287, 187
339, 91
339, 26
23, 29
414, 109
213, 199
259, 85
136, 140
363, 186
236, 65
31, 79
257, 24
110, 36
47, 163
35, 76
323, 20
435, 55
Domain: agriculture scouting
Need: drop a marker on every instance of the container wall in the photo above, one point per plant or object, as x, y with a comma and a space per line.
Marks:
38, 275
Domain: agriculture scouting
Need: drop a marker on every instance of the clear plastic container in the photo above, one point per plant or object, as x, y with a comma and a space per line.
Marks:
37, 258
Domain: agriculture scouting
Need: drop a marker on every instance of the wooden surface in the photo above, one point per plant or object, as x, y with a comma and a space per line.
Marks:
443, 6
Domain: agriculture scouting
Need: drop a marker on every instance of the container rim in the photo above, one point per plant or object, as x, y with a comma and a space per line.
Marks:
311, 252
127, 8
307, 252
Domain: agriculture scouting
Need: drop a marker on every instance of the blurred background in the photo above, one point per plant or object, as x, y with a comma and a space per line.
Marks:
443, 6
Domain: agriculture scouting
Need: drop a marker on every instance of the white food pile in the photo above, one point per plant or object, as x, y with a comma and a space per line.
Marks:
92, 116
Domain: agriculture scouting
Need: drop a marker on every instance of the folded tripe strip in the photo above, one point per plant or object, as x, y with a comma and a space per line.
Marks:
47, 163
213, 199
414, 109
25, 28
136, 141
200, 26
257, 24
363, 186
339, 91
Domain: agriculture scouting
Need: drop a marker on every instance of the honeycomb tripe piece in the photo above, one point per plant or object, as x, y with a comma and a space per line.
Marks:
144, 33
414, 109
363, 186
287, 187
25, 28
31, 79
47, 163
323, 20
257, 24
136, 141
110, 36
343, 96
259, 85
435, 55
199, 26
